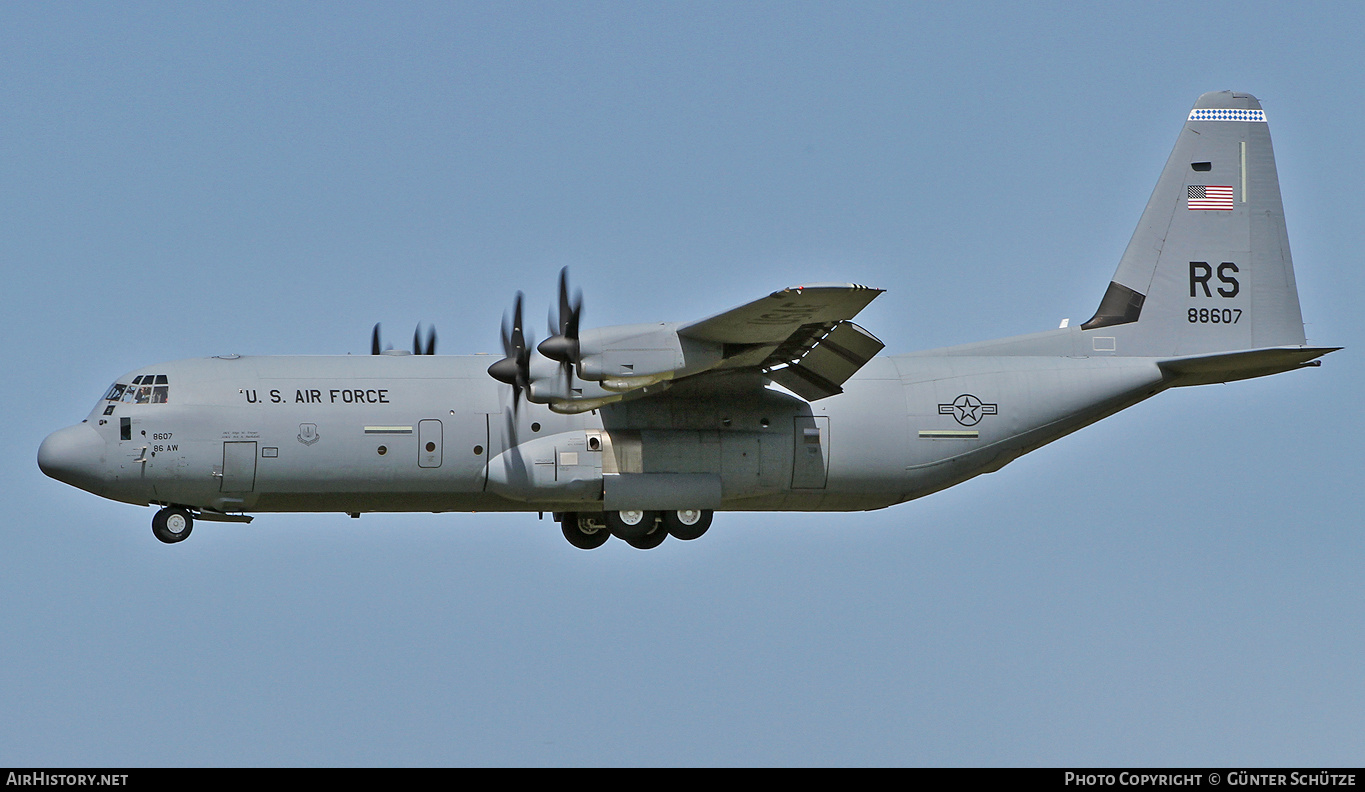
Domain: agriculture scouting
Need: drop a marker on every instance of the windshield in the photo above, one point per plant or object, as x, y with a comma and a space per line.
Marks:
144, 389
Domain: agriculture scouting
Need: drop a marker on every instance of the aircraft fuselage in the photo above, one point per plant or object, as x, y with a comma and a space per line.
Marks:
424, 433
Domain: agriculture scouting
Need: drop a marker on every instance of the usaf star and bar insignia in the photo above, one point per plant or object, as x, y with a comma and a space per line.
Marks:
968, 409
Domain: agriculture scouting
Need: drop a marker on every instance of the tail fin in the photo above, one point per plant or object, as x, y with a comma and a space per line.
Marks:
1208, 269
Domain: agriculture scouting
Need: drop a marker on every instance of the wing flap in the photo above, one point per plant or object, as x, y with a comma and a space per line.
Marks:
822, 367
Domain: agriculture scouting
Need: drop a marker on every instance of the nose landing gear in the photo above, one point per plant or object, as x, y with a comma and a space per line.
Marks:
172, 524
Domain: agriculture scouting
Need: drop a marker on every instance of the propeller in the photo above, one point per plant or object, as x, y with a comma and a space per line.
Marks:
562, 345
419, 348
515, 368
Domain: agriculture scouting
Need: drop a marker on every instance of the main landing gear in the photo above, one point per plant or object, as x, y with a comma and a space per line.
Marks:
639, 529
172, 524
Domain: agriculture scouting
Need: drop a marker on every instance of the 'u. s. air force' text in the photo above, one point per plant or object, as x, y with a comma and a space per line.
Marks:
319, 396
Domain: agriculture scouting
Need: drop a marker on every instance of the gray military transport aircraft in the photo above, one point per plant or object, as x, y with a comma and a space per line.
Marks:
643, 431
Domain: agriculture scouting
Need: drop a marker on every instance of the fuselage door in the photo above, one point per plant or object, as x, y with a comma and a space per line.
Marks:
810, 458
239, 467
429, 444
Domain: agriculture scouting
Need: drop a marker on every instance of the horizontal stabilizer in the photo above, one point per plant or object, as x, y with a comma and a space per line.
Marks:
1232, 366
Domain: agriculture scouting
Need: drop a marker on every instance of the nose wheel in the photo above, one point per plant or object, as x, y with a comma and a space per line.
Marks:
172, 524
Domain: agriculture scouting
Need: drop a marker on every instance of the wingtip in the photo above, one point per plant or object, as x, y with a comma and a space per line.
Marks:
834, 286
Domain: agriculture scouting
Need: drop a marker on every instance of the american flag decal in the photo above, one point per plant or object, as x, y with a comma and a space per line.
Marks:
1209, 196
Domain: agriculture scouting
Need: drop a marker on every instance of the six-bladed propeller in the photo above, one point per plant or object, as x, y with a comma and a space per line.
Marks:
427, 347
515, 368
562, 345
419, 345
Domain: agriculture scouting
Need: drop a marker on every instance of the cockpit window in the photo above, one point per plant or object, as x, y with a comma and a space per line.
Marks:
144, 389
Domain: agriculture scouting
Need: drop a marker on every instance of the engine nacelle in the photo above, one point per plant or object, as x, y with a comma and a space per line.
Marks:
552, 469
625, 357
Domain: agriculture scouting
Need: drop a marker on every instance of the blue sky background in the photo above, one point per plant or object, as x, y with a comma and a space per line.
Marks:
1178, 585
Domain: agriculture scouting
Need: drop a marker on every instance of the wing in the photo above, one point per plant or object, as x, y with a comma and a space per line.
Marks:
800, 337
774, 319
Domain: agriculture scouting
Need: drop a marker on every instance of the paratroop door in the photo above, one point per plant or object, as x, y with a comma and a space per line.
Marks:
239, 467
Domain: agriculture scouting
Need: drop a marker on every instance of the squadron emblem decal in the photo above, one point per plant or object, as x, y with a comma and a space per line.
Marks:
308, 434
967, 409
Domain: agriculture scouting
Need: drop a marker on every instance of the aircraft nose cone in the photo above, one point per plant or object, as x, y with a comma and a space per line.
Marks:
74, 456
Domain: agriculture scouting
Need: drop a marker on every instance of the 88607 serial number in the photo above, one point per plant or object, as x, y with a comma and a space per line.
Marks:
1214, 315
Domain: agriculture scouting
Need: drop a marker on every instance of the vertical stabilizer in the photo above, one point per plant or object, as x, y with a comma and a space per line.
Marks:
1208, 269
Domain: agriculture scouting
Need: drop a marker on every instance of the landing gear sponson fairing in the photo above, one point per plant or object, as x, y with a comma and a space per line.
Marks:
643, 431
